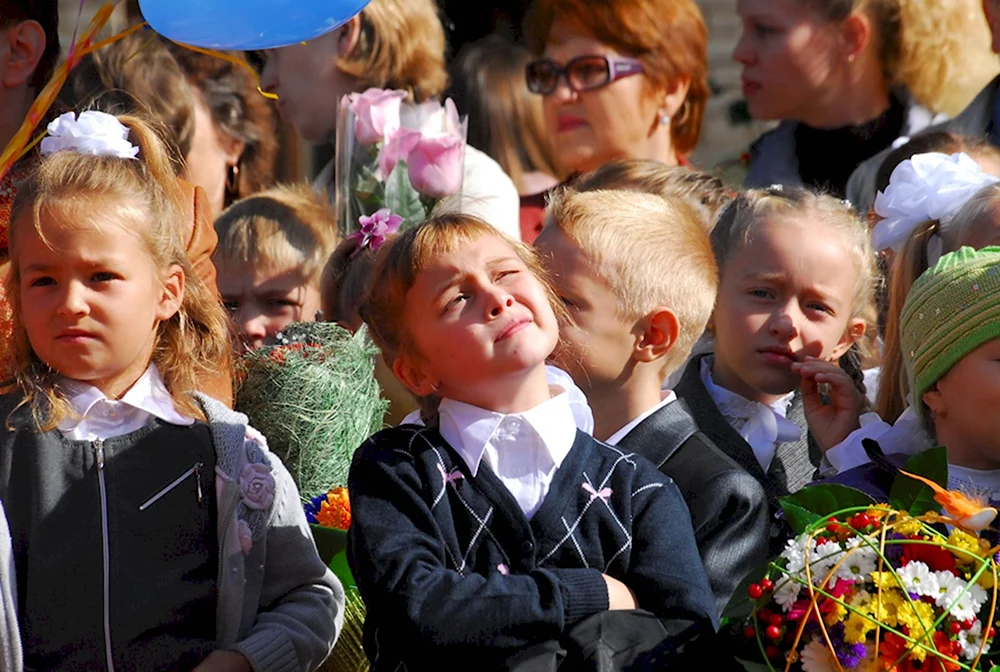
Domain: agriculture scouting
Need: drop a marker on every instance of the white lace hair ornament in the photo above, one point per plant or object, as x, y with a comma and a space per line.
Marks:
925, 186
93, 134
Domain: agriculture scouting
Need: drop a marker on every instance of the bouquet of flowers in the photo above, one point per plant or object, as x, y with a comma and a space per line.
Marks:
396, 156
871, 587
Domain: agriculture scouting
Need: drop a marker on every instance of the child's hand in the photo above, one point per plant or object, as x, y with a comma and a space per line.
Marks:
620, 596
830, 423
224, 661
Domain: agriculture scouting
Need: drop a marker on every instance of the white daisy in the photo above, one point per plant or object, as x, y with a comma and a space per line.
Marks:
859, 562
971, 640
918, 578
969, 604
786, 593
948, 588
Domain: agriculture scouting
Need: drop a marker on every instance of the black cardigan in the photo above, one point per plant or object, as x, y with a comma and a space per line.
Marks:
450, 569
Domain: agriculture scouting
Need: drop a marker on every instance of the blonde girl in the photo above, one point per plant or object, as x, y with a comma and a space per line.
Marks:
469, 507
190, 549
795, 296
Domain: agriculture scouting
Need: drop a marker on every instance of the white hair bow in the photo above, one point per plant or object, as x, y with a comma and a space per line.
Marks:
93, 133
926, 186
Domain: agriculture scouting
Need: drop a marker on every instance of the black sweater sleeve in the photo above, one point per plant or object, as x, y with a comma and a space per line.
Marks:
409, 577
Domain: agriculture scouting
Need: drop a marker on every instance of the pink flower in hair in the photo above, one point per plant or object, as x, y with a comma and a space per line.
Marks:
375, 228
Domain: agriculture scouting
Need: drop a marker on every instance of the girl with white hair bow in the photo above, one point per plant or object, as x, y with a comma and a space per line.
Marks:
934, 204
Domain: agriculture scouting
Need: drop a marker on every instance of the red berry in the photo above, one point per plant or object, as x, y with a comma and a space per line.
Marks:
777, 620
967, 625
992, 633
773, 632
955, 627
764, 615
767, 585
755, 591
749, 632
771, 651
861, 521
833, 527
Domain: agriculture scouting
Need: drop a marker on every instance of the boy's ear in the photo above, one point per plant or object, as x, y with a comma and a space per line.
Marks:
173, 294
854, 332
413, 377
659, 329
23, 45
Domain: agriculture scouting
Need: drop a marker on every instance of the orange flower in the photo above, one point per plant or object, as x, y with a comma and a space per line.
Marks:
336, 510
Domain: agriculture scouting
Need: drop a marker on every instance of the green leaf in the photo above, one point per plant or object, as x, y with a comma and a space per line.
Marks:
342, 570
329, 542
909, 494
815, 502
403, 199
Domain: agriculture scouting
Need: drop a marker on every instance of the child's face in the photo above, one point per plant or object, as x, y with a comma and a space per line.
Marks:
965, 403
263, 302
91, 303
784, 296
596, 348
480, 321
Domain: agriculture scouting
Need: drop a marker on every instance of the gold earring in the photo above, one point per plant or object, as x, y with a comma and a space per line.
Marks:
233, 180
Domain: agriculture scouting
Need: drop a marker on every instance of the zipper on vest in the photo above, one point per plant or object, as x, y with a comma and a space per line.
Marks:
195, 470
99, 456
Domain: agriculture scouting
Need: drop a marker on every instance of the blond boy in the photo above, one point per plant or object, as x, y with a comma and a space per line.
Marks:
638, 276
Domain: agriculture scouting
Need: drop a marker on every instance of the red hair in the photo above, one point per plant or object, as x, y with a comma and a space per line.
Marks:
668, 36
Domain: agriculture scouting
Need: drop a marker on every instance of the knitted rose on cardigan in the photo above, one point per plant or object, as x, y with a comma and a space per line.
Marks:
257, 486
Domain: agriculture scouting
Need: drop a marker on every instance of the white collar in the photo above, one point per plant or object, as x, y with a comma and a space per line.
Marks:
667, 396
148, 394
731, 403
469, 429
974, 481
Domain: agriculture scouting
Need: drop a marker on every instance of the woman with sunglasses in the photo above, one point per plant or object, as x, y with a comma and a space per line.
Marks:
828, 70
624, 79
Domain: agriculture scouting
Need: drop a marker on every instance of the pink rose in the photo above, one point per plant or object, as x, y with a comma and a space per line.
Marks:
257, 486
397, 148
246, 536
376, 114
435, 165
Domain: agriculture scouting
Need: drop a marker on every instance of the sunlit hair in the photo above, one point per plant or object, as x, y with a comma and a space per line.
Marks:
505, 119
144, 195
739, 222
971, 225
401, 260
706, 194
346, 278
668, 36
946, 54
137, 75
282, 228
401, 46
628, 238
229, 91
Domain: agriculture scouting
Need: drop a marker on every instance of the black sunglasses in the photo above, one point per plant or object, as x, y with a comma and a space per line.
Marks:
583, 73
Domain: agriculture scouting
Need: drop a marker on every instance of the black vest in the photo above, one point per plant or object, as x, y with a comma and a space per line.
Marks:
104, 566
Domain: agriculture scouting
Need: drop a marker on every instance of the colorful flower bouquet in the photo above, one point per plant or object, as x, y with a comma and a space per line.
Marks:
870, 587
397, 156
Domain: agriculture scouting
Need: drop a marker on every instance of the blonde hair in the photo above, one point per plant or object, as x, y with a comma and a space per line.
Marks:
738, 224
706, 194
288, 226
629, 238
913, 260
946, 55
191, 345
401, 46
401, 260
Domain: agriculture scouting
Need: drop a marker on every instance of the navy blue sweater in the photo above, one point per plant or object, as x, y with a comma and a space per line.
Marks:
448, 565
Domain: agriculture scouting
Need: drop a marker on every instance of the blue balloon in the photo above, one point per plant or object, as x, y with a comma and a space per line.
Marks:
244, 25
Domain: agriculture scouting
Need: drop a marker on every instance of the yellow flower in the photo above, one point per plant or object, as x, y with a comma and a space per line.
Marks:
886, 613
919, 618
986, 580
835, 615
908, 527
965, 541
885, 580
856, 628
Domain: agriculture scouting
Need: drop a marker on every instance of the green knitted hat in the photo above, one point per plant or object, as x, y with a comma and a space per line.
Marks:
952, 309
